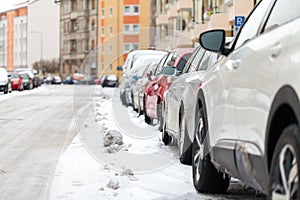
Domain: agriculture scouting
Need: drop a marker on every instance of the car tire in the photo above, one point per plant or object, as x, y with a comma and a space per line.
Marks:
160, 116
285, 165
185, 154
206, 178
148, 119
6, 89
166, 138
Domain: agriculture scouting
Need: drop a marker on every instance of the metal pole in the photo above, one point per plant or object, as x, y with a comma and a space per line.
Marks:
21, 44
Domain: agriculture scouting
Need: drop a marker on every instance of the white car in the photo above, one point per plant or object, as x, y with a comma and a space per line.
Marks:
248, 116
5, 82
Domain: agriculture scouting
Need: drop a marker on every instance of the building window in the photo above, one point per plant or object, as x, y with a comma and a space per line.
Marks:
126, 29
102, 31
74, 5
93, 4
110, 49
80, 5
93, 24
102, 66
126, 10
127, 47
135, 46
136, 9
74, 26
110, 30
136, 28
102, 49
66, 7
110, 67
93, 45
110, 12
102, 13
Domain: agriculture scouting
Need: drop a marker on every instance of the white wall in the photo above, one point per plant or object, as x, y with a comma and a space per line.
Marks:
3, 35
20, 41
43, 16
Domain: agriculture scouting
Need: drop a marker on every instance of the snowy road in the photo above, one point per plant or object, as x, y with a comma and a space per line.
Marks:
52, 148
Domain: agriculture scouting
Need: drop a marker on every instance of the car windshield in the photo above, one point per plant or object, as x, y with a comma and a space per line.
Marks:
111, 78
14, 75
24, 76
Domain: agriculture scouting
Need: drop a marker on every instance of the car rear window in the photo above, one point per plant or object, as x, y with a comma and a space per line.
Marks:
111, 78
183, 61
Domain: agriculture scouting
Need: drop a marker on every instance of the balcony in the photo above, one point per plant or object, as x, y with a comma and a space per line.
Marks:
218, 21
74, 15
162, 19
184, 5
172, 11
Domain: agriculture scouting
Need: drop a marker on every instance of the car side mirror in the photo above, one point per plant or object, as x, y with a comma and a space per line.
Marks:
213, 40
8, 75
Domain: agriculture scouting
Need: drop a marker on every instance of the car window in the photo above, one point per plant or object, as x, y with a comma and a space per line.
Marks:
183, 61
204, 61
252, 25
163, 63
160, 64
283, 12
196, 61
189, 62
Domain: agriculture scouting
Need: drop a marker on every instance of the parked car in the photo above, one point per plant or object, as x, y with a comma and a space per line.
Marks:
155, 89
248, 109
135, 59
16, 81
27, 80
36, 80
5, 81
56, 80
178, 110
110, 80
89, 80
138, 91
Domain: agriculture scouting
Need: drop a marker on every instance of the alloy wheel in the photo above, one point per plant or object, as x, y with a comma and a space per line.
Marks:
285, 185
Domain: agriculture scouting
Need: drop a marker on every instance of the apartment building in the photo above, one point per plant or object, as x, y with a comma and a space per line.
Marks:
124, 25
180, 22
25, 38
78, 36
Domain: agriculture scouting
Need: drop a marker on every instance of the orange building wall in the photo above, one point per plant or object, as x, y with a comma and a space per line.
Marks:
11, 15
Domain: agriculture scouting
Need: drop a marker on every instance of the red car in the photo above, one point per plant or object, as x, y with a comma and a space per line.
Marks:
16, 81
163, 78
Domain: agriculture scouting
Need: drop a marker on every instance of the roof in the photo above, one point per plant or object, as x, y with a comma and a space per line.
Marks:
14, 4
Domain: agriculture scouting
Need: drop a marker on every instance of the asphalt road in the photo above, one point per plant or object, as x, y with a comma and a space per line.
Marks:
35, 129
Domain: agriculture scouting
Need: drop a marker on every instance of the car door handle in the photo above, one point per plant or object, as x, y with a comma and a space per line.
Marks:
276, 50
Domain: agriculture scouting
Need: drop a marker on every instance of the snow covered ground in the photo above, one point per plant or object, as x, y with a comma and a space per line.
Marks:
98, 166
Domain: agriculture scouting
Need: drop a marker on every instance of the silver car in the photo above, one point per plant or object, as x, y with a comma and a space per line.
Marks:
135, 59
179, 106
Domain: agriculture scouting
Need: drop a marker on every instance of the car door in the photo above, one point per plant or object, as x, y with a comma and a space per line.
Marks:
219, 85
255, 75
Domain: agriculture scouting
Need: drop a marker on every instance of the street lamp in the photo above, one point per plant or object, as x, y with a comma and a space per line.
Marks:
41, 35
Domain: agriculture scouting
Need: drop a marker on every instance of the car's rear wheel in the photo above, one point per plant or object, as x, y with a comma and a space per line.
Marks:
185, 153
285, 166
206, 178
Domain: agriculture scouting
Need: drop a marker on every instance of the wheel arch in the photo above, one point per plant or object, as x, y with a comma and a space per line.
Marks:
285, 110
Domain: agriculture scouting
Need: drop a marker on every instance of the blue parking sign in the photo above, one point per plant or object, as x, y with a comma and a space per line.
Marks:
239, 20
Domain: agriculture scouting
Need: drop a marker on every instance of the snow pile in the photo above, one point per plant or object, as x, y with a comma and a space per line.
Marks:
113, 141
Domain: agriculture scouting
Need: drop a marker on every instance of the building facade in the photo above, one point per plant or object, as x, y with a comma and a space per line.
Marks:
78, 36
124, 25
24, 35
180, 22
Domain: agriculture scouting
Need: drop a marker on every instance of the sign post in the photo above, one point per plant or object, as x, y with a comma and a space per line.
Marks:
238, 22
